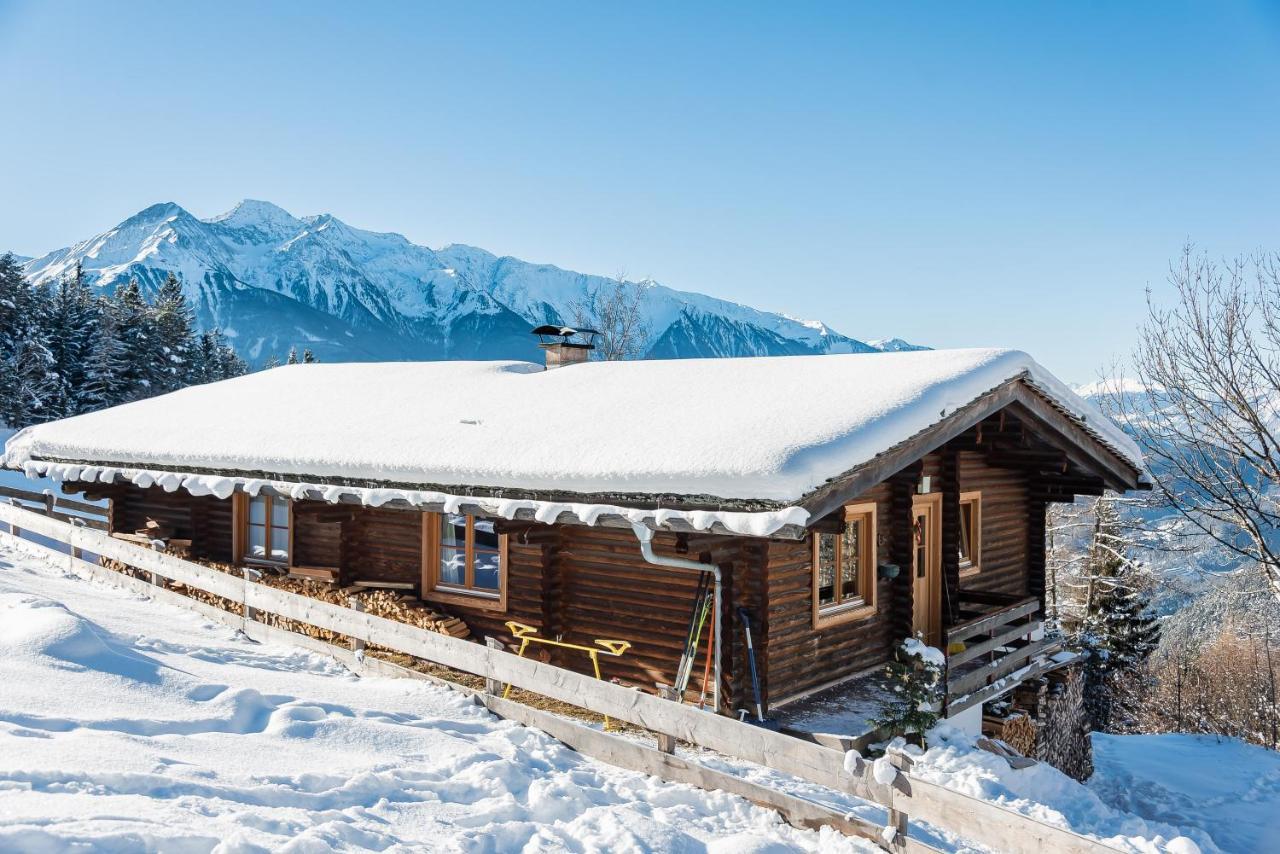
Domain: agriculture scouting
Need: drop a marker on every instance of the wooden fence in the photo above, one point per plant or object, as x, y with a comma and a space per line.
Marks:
988, 824
57, 506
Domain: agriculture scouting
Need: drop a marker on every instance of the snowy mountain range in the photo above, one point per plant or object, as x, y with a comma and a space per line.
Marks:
271, 281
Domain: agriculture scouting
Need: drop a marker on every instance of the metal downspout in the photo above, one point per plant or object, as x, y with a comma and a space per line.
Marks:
645, 535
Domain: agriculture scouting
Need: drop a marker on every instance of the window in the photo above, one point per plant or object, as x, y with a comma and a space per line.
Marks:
970, 532
464, 560
265, 529
844, 568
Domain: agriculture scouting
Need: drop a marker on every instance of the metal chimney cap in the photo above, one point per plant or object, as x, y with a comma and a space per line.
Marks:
566, 333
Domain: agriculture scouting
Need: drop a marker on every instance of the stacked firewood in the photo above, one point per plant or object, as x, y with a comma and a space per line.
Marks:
394, 605
1019, 731
409, 609
1046, 719
1064, 741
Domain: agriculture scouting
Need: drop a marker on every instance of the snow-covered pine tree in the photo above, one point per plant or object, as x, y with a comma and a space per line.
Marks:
913, 681
104, 385
175, 339
229, 363
1116, 631
293, 356
25, 361
272, 361
72, 325
308, 357
215, 360
137, 367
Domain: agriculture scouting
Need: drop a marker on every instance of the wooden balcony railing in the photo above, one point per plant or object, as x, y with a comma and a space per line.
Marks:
994, 647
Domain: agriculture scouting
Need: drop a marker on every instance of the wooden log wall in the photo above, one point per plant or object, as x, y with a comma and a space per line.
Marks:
1004, 525
1036, 511
382, 545
205, 520
950, 476
902, 487
800, 657
317, 533
604, 589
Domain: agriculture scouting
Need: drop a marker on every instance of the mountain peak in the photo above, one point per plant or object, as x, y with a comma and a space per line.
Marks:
257, 213
156, 213
271, 280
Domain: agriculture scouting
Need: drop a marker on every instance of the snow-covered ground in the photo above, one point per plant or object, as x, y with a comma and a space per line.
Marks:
1224, 786
129, 725
126, 725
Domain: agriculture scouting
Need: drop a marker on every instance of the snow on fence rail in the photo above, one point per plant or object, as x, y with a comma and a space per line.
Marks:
989, 824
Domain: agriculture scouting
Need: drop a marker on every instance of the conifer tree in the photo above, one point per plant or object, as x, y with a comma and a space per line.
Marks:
1116, 631
308, 357
25, 361
104, 385
293, 356
230, 364
65, 350
272, 361
136, 370
72, 328
215, 360
914, 683
174, 340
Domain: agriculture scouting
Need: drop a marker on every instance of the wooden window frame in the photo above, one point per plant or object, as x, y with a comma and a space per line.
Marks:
240, 531
865, 606
974, 565
431, 590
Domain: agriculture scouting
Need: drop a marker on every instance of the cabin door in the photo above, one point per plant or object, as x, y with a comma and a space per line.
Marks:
926, 568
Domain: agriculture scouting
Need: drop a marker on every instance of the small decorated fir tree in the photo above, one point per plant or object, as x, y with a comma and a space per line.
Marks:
914, 680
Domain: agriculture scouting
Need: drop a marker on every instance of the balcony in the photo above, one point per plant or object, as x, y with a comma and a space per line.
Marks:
998, 644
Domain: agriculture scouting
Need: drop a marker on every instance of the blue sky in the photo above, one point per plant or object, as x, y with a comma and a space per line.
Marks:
956, 174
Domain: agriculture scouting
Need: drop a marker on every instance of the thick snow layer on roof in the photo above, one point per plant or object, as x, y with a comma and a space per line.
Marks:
771, 428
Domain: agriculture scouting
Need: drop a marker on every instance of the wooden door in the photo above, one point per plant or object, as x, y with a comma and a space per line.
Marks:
926, 567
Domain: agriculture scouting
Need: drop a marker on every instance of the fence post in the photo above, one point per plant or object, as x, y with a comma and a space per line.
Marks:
897, 817
492, 686
357, 644
14, 530
667, 743
48, 504
76, 525
152, 577
250, 575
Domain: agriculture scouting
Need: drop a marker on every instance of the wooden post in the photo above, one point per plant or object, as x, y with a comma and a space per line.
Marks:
250, 576
492, 687
48, 504
155, 578
75, 550
357, 644
14, 530
897, 817
667, 743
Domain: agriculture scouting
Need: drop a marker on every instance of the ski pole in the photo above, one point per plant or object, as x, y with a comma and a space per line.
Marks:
751, 660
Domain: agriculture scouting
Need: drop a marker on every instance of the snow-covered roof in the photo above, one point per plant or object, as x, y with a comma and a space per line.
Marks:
769, 429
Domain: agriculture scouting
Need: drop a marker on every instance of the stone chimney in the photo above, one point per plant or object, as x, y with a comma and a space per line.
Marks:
564, 345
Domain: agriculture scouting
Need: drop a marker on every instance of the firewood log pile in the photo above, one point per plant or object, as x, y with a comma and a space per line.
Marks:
1018, 730
403, 607
1046, 720
1064, 741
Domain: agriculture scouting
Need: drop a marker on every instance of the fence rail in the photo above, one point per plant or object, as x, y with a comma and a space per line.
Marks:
57, 506
983, 822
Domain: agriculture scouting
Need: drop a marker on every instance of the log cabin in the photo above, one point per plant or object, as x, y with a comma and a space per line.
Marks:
840, 503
